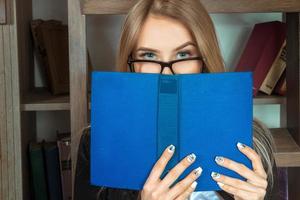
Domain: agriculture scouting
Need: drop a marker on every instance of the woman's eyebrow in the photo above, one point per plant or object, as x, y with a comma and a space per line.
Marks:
176, 49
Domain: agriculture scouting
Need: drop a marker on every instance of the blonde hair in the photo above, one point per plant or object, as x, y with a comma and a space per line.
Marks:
190, 12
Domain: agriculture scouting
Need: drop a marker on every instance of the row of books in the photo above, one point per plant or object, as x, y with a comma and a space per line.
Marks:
265, 56
50, 169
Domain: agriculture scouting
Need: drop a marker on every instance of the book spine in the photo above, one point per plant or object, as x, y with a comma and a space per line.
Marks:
53, 171
64, 149
275, 72
38, 171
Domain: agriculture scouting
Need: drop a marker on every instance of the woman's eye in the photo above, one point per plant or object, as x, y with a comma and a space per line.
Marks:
148, 56
182, 55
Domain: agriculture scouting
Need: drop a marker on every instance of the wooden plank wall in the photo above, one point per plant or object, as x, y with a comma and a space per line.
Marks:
14, 40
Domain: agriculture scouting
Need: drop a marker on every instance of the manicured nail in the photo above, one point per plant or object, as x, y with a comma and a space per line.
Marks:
219, 159
191, 158
240, 145
198, 171
194, 184
215, 175
220, 184
171, 148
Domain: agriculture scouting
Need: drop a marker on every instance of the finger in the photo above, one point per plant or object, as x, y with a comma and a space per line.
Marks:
160, 165
185, 183
237, 183
254, 157
241, 193
187, 192
241, 169
176, 171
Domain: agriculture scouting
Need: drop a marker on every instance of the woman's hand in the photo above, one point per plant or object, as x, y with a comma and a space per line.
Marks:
255, 186
155, 188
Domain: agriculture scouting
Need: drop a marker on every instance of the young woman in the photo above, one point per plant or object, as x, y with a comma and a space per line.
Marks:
178, 37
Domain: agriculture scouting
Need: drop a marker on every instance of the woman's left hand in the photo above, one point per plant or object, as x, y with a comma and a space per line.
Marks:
255, 186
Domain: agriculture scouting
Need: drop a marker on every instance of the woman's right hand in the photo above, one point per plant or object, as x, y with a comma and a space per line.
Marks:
156, 188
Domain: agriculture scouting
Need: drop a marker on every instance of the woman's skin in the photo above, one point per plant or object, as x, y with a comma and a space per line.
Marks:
159, 39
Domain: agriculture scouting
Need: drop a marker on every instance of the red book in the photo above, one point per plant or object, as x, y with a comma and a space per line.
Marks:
261, 50
280, 87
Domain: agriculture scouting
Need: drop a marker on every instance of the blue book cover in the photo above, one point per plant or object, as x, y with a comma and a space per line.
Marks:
135, 116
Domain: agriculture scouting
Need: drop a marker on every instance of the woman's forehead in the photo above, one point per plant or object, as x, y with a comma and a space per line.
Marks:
163, 32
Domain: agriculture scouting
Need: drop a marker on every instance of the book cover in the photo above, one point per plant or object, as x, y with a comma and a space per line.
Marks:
52, 170
262, 47
38, 173
275, 71
64, 149
280, 87
135, 116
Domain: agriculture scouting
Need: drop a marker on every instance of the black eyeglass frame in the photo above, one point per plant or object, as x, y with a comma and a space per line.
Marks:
130, 63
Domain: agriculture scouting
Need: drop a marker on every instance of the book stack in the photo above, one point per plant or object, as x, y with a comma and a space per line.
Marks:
265, 56
50, 167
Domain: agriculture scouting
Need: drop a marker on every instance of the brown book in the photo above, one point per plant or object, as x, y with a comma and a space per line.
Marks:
275, 71
64, 149
52, 47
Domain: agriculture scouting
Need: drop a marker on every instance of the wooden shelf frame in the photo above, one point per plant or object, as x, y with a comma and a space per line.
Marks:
44, 101
91, 7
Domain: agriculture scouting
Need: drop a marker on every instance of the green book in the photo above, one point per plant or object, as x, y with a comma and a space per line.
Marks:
38, 174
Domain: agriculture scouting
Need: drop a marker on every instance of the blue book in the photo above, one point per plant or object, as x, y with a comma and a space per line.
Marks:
135, 116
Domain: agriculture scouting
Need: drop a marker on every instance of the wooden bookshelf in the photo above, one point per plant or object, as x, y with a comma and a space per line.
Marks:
42, 100
287, 152
90, 7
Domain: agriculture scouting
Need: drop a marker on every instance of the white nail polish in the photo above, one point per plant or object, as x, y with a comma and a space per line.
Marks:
191, 158
215, 175
198, 171
171, 148
240, 145
220, 184
194, 184
219, 159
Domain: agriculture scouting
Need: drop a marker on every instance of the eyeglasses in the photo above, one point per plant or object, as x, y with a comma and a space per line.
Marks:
181, 66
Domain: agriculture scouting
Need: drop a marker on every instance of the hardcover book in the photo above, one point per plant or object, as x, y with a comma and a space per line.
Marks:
262, 48
135, 116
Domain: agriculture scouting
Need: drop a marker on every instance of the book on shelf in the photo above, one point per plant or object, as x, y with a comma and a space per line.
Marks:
275, 71
52, 51
280, 87
263, 45
64, 148
52, 170
37, 171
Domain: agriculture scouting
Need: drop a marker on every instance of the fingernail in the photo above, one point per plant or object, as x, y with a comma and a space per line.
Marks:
240, 145
220, 184
219, 159
194, 184
215, 175
198, 171
171, 148
191, 158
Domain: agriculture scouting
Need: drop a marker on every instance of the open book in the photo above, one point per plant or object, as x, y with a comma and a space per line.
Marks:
135, 116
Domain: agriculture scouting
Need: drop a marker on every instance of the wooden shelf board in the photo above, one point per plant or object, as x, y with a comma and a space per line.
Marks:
44, 101
261, 99
41, 100
287, 153
216, 6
